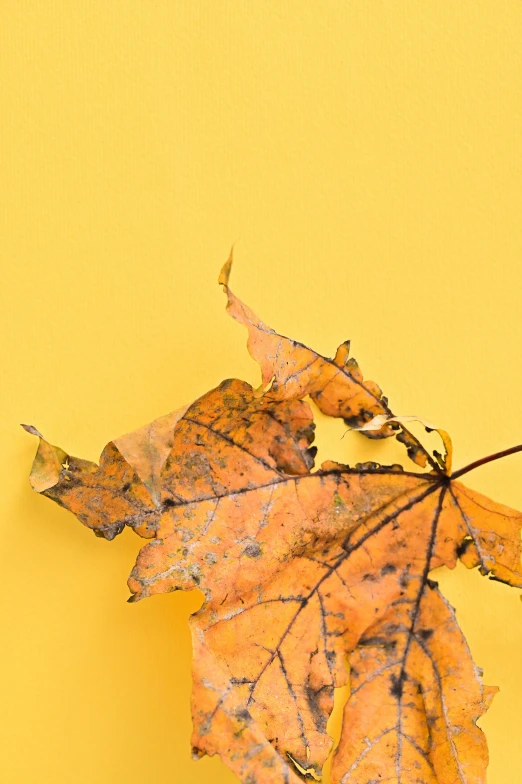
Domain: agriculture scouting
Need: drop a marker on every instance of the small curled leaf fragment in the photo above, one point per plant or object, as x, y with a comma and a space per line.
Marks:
379, 421
48, 463
224, 275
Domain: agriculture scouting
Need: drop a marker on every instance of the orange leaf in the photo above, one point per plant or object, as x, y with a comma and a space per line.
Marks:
304, 572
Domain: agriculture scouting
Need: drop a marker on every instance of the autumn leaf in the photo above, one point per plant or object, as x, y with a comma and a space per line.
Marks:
304, 571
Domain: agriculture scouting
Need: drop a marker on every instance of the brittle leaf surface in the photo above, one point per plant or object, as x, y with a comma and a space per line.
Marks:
312, 578
291, 370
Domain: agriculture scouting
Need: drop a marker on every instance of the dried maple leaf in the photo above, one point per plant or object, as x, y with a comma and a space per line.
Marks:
304, 571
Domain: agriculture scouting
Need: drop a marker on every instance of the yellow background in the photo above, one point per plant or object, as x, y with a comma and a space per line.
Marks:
367, 157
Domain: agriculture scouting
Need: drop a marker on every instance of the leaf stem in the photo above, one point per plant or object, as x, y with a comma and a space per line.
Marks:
483, 460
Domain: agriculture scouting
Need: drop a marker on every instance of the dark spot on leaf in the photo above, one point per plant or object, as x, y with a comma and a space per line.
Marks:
371, 641
253, 550
463, 547
397, 685
312, 451
388, 569
404, 580
243, 715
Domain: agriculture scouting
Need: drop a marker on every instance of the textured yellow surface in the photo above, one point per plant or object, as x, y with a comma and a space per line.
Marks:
367, 157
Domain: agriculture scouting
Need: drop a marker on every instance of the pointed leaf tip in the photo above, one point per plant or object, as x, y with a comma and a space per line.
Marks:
32, 430
224, 275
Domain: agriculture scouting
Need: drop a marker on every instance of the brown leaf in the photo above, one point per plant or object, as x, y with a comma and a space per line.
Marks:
303, 572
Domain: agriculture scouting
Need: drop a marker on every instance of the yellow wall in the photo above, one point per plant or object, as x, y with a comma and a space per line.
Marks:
367, 156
